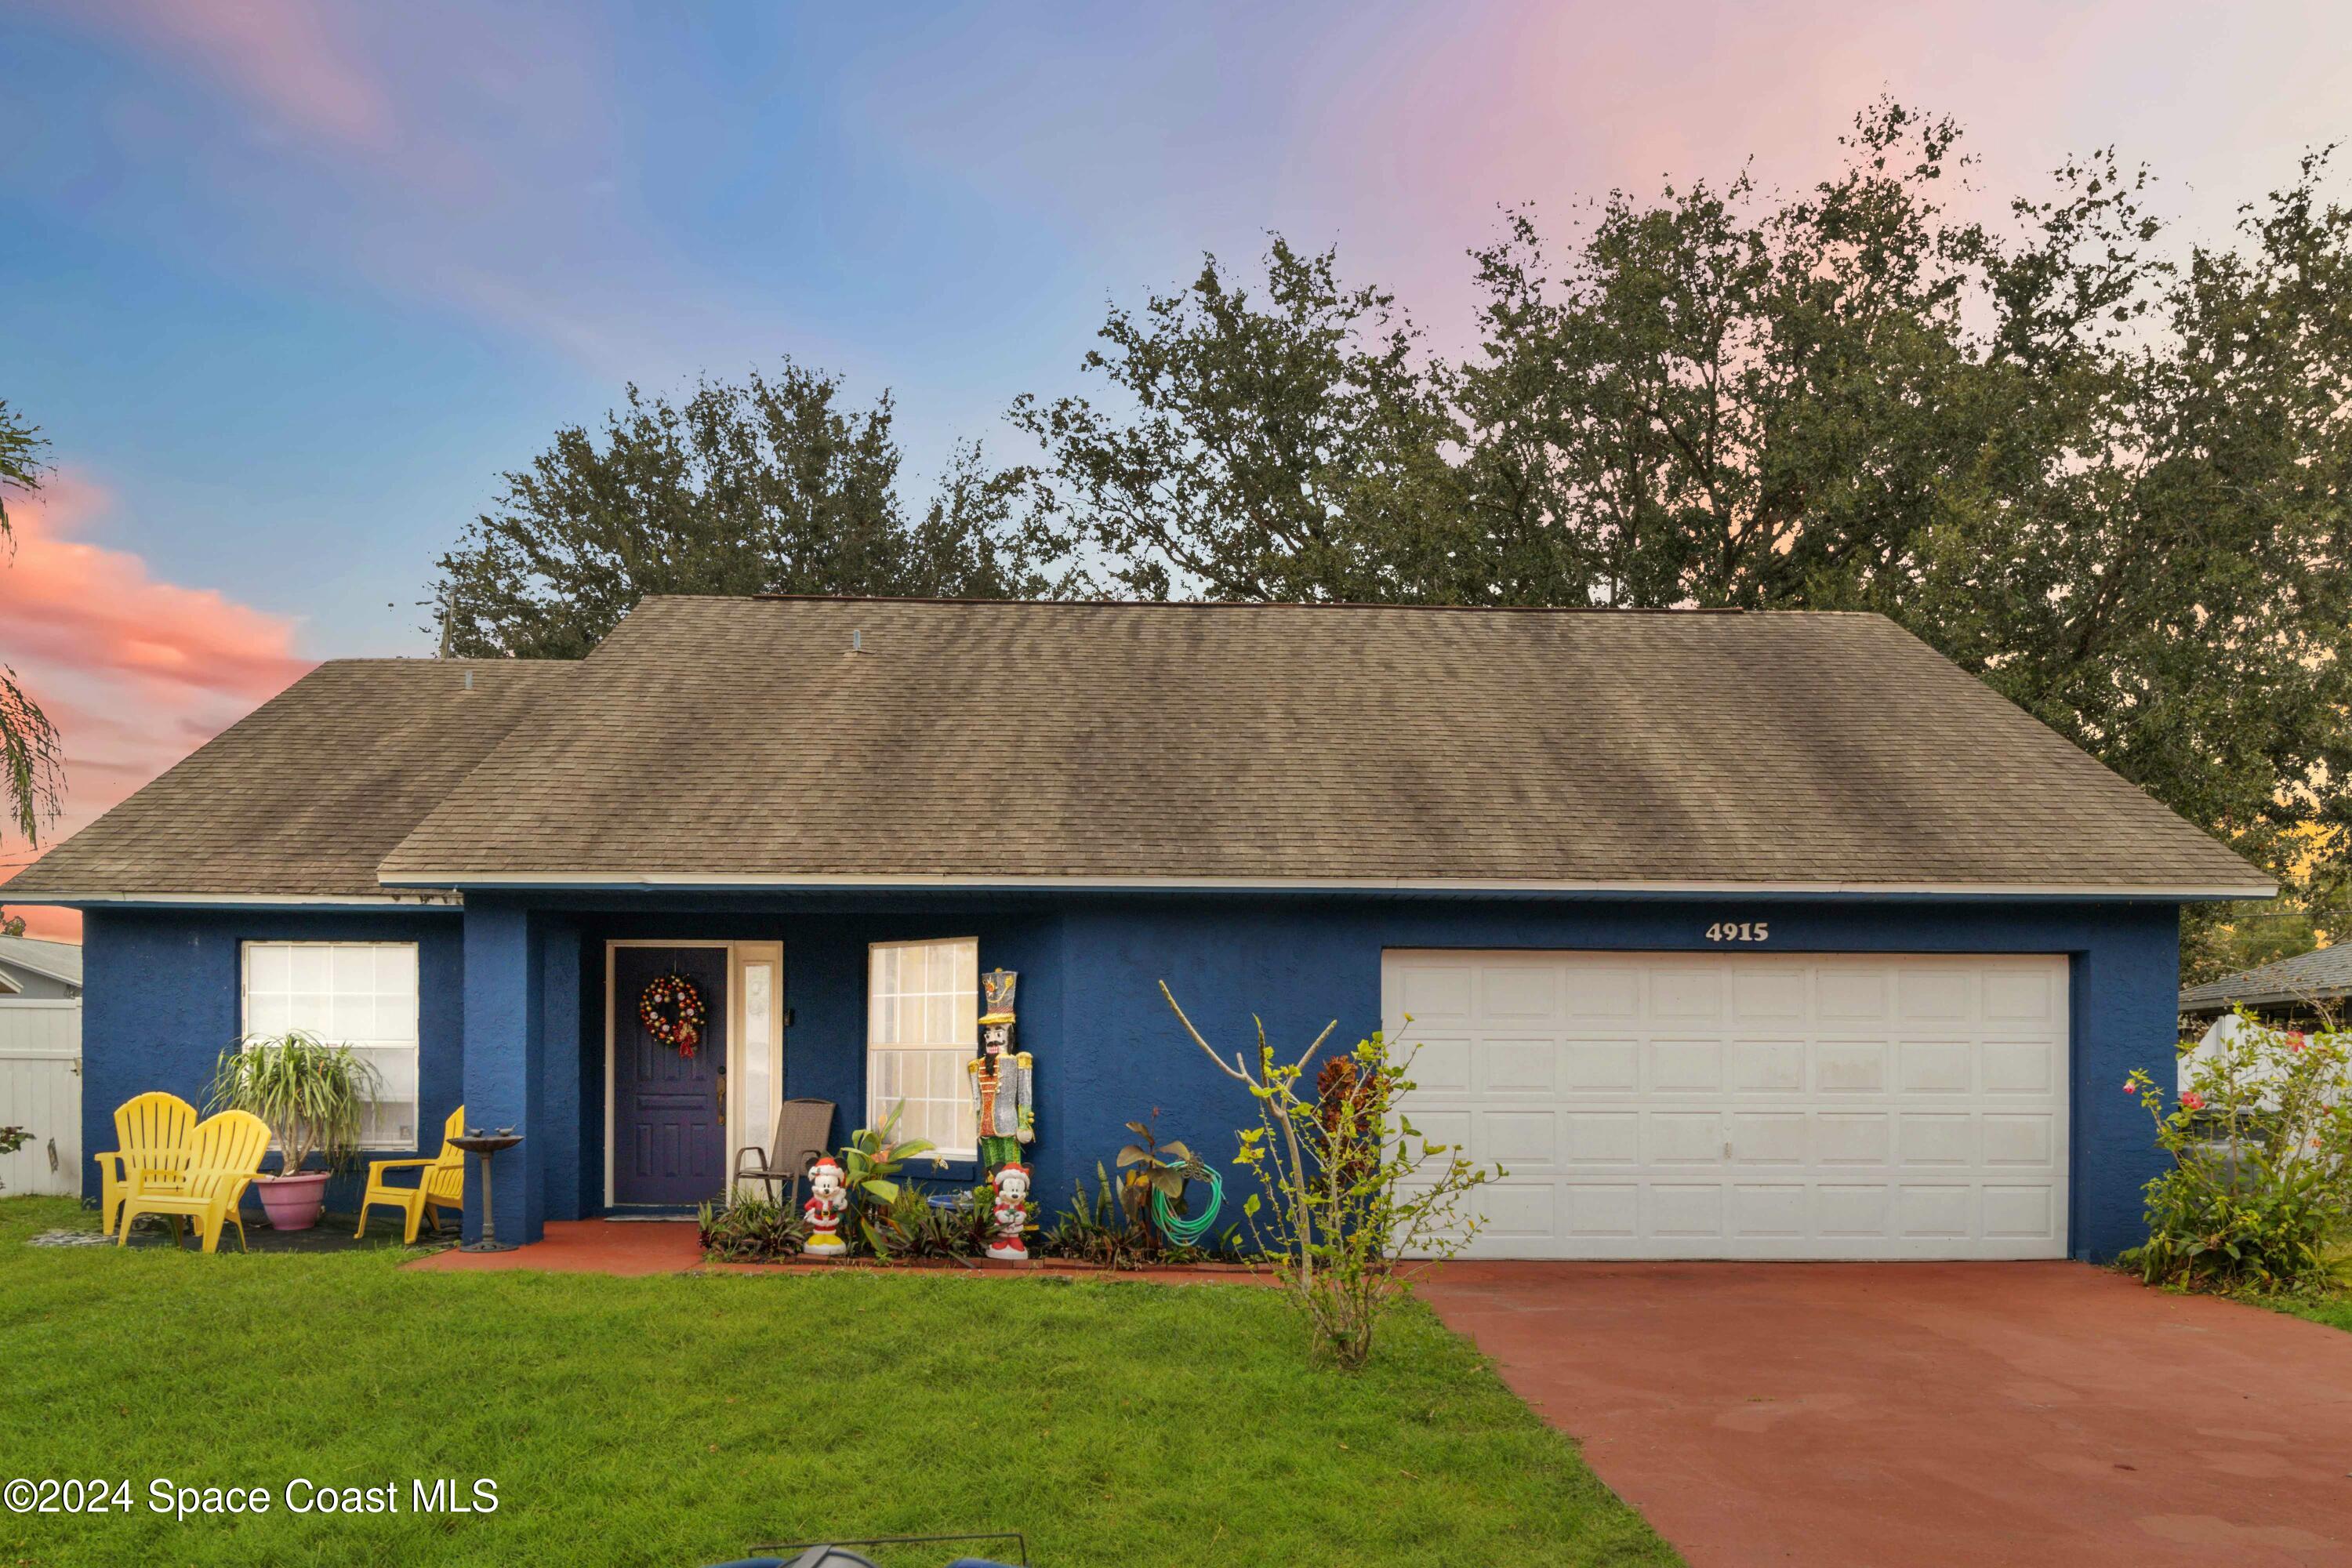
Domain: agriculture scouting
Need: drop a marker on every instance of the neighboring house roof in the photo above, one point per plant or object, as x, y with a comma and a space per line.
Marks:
302, 797
60, 961
2322, 974
742, 742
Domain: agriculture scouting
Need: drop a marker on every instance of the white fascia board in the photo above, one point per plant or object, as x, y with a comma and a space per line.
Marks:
390, 900
686, 881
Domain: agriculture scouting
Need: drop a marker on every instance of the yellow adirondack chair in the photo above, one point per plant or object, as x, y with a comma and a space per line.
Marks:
156, 1134
229, 1153
440, 1182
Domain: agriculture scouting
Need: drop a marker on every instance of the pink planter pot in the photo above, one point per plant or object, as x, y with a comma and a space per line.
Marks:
292, 1202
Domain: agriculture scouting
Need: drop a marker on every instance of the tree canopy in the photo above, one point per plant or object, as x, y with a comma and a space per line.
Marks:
2105, 473
771, 485
2103, 469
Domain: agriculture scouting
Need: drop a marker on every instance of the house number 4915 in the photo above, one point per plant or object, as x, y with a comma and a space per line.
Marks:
1740, 930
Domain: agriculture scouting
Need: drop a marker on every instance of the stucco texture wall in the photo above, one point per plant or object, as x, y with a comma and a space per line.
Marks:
164, 999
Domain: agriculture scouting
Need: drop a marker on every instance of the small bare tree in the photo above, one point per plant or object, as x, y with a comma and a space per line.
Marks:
1348, 1178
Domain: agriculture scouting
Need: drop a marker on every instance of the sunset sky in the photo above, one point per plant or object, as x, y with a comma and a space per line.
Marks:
288, 284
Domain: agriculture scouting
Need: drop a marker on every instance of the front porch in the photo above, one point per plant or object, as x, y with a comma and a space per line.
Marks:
617, 1123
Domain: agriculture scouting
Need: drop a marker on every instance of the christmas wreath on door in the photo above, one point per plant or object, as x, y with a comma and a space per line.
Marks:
672, 1012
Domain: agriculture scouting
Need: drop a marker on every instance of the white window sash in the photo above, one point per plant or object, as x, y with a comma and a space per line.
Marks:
923, 1012
364, 995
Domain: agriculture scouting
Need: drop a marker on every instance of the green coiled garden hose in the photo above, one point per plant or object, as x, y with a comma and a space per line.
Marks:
1188, 1231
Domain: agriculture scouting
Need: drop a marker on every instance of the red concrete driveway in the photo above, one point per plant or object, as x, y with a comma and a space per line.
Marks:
1944, 1414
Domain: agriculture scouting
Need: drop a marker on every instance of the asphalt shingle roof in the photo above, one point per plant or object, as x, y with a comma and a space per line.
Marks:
2320, 975
710, 738
60, 961
305, 795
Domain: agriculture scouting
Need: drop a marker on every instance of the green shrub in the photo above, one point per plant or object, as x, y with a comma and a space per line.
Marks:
2261, 1174
751, 1230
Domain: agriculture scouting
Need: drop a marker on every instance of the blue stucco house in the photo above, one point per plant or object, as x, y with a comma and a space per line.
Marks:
1729, 935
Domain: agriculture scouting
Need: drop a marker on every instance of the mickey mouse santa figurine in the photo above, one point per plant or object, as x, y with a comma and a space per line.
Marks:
827, 1201
1011, 1214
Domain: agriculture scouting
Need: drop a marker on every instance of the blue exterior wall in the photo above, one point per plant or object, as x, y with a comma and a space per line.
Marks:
162, 998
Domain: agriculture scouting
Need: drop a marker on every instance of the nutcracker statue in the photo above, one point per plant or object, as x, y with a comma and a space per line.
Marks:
1000, 1077
827, 1201
1011, 1214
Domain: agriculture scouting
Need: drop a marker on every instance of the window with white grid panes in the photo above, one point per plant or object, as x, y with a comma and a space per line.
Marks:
922, 1024
357, 993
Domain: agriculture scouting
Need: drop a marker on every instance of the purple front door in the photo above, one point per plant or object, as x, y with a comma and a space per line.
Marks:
669, 1134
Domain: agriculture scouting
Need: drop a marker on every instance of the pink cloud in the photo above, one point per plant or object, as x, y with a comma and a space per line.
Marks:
134, 672
277, 51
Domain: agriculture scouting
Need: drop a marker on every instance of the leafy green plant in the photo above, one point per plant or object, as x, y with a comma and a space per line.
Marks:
912, 1226
870, 1164
11, 1140
1347, 1184
1097, 1228
313, 1095
2260, 1179
751, 1230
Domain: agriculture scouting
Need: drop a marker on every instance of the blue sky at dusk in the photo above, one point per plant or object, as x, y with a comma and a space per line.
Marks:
288, 284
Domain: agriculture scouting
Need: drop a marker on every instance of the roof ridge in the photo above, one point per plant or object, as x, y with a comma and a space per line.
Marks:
1226, 605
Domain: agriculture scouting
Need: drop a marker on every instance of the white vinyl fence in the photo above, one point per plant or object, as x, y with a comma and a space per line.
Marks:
41, 1090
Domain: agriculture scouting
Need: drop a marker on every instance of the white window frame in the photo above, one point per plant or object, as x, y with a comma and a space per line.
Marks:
966, 1008
372, 1044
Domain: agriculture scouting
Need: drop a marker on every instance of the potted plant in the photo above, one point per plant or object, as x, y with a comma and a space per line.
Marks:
312, 1095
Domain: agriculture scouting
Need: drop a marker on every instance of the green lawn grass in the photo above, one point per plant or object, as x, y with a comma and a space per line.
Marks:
2336, 1311
683, 1420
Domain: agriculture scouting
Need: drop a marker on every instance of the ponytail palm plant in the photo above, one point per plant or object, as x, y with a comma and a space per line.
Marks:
311, 1093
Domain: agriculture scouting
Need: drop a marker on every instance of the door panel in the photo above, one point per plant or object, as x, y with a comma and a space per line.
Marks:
669, 1134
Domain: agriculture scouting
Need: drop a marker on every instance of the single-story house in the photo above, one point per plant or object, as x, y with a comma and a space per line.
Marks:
35, 969
2306, 990
1749, 935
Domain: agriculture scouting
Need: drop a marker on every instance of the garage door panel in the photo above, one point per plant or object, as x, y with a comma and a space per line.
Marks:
1432, 994
1941, 1211
1850, 1067
1440, 1067
1768, 1067
1935, 1066
1607, 1211
2021, 1213
1852, 1137
1772, 1138
1525, 1142
2019, 1139
1601, 1137
1942, 994
1518, 1067
2019, 1066
1749, 1105
1692, 993
1771, 1209
1686, 1066
1520, 991
1603, 1067
1692, 1210
2020, 995
1683, 1138
1930, 1137
1850, 994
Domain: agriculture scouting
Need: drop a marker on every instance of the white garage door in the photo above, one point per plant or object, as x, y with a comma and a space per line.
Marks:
1748, 1105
